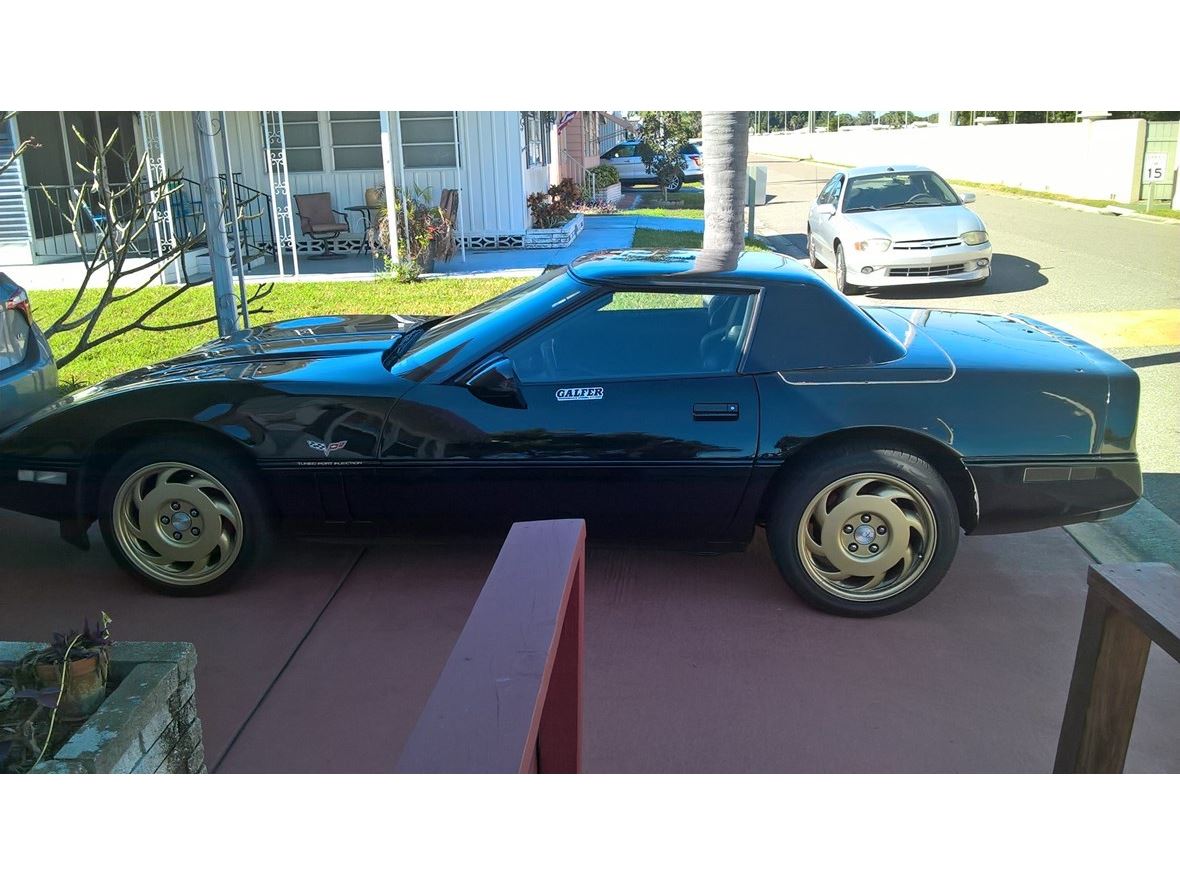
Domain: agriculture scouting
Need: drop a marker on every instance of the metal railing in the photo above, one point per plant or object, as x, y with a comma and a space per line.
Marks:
509, 699
55, 237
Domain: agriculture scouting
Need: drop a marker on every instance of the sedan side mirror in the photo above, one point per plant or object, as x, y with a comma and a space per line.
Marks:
826, 208
495, 382
967, 198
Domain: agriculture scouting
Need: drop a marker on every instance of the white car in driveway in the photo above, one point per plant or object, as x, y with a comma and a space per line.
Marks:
879, 226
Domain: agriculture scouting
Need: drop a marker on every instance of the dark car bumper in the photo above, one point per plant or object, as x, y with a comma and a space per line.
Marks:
1024, 496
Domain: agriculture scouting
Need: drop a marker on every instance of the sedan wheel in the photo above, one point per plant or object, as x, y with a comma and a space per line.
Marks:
671, 181
188, 525
842, 274
863, 530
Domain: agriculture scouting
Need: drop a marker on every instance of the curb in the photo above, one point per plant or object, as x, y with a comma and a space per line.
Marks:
1142, 534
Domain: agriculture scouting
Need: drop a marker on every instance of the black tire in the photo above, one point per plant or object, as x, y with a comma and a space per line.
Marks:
816, 473
812, 257
842, 284
217, 477
671, 181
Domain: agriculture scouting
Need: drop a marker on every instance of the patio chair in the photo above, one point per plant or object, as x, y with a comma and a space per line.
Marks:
316, 219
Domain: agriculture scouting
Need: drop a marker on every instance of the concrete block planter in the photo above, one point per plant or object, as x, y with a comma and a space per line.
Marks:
555, 237
148, 723
612, 193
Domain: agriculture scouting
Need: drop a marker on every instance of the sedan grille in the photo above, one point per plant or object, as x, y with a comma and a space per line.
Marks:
939, 270
927, 245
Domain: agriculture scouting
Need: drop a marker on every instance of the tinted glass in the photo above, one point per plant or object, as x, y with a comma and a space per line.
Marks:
897, 190
638, 335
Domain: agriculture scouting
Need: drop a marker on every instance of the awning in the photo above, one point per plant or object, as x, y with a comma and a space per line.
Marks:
620, 121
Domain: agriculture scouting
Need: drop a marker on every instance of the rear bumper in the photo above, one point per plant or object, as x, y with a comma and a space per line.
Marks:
1024, 496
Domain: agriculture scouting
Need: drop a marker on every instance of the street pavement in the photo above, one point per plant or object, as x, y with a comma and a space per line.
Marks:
1112, 281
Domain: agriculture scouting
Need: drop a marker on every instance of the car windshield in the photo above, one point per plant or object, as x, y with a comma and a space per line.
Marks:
460, 329
898, 190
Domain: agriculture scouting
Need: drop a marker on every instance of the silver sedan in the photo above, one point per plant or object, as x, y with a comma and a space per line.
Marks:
882, 226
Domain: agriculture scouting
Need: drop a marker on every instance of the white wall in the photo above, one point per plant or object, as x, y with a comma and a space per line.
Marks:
1100, 160
493, 198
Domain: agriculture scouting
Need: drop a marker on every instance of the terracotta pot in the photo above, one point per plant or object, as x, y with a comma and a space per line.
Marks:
86, 686
374, 196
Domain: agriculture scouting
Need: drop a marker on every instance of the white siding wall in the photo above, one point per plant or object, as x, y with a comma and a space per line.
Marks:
494, 190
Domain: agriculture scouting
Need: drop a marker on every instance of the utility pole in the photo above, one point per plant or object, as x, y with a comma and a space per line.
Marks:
214, 212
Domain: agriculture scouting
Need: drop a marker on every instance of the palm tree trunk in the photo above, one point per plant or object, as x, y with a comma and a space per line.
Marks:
725, 148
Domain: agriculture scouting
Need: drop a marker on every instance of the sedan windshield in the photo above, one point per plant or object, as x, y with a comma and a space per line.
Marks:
898, 190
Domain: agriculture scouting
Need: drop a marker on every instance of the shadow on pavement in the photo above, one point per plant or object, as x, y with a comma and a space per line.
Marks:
1163, 490
1155, 359
794, 245
1010, 273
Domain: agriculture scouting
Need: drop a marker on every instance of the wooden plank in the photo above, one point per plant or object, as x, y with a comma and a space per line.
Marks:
486, 710
1146, 592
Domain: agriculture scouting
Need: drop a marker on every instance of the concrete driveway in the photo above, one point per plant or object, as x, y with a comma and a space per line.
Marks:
324, 660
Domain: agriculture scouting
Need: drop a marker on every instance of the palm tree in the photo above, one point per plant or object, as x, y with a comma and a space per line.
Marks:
725, 149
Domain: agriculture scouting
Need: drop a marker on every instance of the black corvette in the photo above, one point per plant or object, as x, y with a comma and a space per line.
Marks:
661, 395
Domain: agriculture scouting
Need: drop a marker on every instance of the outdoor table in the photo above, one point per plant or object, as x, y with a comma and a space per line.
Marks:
366, 212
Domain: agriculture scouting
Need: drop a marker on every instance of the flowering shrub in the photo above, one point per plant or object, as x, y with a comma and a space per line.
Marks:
431, 233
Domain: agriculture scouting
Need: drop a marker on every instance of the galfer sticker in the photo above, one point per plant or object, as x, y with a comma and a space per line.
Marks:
565, 394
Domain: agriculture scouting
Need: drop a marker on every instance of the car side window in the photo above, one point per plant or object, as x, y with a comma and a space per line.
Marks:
635, 334
620, 152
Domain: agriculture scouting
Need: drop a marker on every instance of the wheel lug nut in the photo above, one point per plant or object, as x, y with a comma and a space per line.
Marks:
175, 505
197, 532
165, 520
194, 512
176, 535
866, 518
873, 548
881, 530
852, 548
848, 530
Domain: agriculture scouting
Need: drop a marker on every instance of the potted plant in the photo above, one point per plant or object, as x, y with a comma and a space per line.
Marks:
49, 692
73, 668
424, 232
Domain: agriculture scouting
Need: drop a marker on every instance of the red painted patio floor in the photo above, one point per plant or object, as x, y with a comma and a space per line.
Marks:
322, 662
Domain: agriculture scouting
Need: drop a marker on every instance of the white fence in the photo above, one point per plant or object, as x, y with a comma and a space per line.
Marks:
1099, 160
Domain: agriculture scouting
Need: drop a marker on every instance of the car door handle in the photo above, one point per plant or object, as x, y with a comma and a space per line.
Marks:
715, 411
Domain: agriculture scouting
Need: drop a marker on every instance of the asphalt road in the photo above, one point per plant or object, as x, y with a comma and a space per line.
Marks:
1112, 281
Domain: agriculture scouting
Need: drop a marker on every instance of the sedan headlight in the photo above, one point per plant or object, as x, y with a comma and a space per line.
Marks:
879, 245
974, 237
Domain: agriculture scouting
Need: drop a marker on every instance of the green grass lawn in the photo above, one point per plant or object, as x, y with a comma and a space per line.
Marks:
288, 300
1160, 208
692, 195
651, 238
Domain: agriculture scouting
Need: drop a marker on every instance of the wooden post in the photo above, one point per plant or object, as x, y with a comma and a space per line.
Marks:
1128, 607
510, 697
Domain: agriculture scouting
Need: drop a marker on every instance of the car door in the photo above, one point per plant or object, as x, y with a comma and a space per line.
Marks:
823, 216
629, 412
625, 157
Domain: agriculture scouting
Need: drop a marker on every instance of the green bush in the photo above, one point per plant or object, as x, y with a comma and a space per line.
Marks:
605, 175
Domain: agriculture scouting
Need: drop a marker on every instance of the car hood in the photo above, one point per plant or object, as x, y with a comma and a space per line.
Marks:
916, 224
267, 352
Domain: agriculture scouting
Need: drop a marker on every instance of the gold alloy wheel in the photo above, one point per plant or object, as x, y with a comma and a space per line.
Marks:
177, 524
867, 537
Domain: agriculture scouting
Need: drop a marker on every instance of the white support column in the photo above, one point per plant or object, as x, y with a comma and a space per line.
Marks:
156, 169
214, 212
401, 171
460, 181
283, 215
390, 193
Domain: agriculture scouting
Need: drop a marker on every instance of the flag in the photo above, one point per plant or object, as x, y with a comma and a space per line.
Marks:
564, 119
